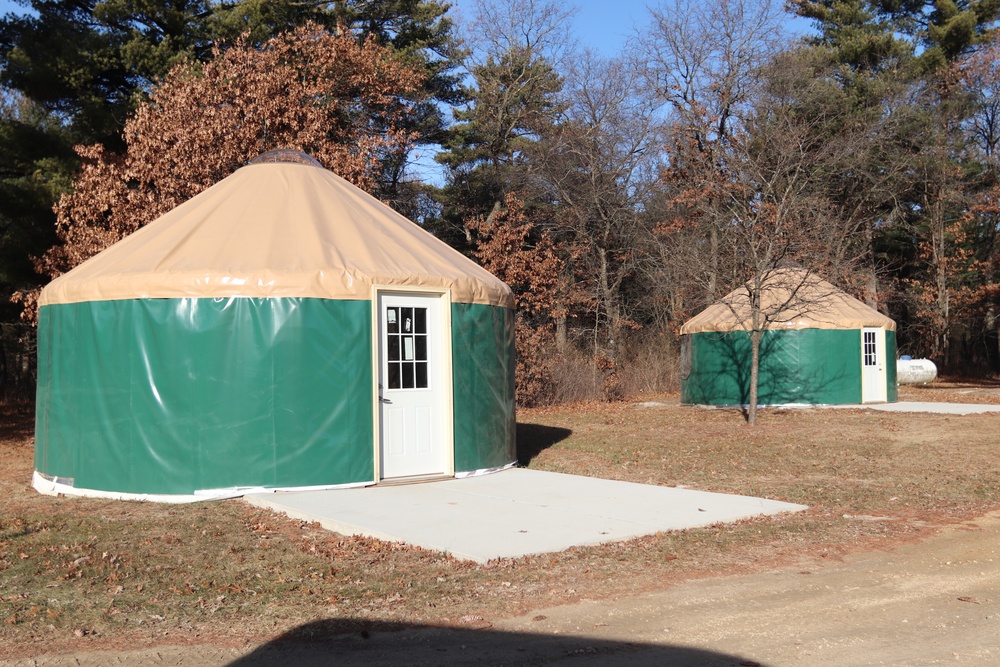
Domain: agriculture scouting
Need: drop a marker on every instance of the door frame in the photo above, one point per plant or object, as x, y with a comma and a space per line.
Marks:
444, 349
882, 396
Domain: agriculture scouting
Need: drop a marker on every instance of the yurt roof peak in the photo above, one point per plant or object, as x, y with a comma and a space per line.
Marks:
274, 229
286, 156
792, 298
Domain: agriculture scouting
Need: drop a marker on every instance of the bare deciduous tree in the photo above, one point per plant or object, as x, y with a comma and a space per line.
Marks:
541, 27
600, 164
703, 62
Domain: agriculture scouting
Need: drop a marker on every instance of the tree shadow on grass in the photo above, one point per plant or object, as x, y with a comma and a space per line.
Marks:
532, 439
356, 642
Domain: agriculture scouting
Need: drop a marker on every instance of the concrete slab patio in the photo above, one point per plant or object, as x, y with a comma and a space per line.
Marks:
902, 406
514, 512
929, 407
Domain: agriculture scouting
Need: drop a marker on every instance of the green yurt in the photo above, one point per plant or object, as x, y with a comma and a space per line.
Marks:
822, 347
281, 330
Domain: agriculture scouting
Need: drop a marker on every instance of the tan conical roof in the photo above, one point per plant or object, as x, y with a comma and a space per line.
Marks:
277, 229
792, 299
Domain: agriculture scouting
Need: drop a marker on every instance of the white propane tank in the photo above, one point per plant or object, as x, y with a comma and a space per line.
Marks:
915, 371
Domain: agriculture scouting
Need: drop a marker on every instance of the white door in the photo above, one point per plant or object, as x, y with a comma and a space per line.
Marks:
413, 387
873, 379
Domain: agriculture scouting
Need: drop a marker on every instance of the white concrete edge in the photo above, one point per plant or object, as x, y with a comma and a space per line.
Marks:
337, 526
927, 407
50, 486
922, 407
485, 471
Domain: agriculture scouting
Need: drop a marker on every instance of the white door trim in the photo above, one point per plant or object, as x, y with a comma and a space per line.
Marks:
876, 394
444, 349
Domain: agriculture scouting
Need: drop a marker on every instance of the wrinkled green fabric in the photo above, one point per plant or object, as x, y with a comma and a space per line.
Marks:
483, 362
173, 396
892, 384
809, 366
170, 396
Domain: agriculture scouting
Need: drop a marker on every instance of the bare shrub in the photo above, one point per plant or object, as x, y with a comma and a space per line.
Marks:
652, 364
649, 364
574, 377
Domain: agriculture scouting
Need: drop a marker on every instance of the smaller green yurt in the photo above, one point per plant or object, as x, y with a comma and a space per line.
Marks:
281, 330
821, 347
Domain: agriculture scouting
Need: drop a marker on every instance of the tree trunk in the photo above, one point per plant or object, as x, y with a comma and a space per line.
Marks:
941, 306
562, 336
755, 337
871, 286
757, 326
607, 303
713, 263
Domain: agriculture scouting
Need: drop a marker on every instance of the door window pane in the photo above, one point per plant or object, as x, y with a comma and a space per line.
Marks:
869, 350
406, 348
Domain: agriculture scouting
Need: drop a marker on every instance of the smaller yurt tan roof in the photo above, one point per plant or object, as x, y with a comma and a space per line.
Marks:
277, 229
792, 299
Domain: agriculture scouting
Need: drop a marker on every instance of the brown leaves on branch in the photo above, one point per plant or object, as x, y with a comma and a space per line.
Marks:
508, 246
340, 101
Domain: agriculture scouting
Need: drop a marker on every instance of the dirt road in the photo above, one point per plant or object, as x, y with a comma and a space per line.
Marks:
932, 603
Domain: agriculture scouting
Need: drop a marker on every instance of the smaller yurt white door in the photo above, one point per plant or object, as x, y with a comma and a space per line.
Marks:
873, 365
414, 386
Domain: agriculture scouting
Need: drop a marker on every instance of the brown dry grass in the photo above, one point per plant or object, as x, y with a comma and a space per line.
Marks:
87, 574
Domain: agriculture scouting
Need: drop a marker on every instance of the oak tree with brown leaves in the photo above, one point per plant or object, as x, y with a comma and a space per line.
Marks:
326, 94
508, 245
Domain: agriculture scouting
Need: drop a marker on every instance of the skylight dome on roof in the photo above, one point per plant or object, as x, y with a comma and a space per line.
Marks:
286, 155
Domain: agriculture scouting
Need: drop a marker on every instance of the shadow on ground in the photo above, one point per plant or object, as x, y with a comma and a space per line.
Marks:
532, 439
318, 643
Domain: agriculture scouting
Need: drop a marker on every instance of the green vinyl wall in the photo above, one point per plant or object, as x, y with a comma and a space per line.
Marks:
810, 366
482, 342
171, 396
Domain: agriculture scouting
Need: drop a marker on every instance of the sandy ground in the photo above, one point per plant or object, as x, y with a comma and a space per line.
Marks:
936, 602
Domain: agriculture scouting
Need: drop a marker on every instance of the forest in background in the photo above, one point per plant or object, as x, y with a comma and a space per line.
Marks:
617, 196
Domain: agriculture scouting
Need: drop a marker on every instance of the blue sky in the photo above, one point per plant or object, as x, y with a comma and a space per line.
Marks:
607, 25
604, 25
601, 24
